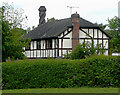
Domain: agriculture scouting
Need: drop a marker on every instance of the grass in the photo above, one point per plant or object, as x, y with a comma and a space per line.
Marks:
63, 90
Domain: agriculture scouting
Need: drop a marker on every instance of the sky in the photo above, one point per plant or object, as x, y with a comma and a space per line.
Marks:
92, 10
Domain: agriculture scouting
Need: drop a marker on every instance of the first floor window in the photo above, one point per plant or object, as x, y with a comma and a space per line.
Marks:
49, 44
38, 44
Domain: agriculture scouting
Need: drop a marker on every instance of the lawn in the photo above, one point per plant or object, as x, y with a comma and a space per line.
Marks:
63, 90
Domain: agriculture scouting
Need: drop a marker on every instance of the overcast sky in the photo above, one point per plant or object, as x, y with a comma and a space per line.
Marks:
93, 10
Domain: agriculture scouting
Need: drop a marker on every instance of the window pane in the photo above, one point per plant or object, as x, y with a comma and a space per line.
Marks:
38, 44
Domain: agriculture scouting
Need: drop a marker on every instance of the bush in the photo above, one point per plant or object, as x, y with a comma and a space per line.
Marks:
98, 71
81, 51
78, 52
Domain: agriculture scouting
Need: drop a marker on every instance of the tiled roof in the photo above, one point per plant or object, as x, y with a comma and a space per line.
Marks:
54, 28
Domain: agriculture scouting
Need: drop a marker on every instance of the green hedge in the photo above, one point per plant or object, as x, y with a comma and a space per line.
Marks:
99, 71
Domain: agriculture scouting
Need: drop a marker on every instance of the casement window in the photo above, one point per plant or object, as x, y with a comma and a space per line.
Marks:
38, 44
28, 47
49, 44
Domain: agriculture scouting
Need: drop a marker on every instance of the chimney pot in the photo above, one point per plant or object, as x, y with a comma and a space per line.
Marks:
42, 14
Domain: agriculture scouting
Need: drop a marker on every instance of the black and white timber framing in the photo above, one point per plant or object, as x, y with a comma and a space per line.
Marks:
54, 39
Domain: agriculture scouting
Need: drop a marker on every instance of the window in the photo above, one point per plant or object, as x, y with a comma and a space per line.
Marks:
38, 44
28, 47
48, 44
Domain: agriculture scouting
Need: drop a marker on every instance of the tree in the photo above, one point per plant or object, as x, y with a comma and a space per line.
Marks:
12, 33
113, 29
114, 32
52, 19
102, 26
86, 49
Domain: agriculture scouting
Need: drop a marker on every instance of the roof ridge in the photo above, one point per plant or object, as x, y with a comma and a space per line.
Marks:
54, 28
89, 22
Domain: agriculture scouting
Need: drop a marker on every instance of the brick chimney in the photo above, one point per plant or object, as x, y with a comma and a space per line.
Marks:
75, 33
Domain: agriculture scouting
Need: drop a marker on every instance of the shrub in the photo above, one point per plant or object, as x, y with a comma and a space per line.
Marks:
87, 49
78, 52
97, 71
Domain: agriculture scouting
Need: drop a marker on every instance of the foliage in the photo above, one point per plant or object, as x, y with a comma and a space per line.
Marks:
12, 33
113, 29
102, 26
52, 19
114, 32
84, 50
78, 52
14, 16
96, 71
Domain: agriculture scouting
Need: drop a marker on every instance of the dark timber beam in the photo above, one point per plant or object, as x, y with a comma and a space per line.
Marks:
86, 33
57, 47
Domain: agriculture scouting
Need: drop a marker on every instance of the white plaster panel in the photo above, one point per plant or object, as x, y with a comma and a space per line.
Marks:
35, 44
64, 52
81, 41
82, 34
23, 48
31, 53
67, 43
69, 35
59, 52
105, 43
100, 41
31, 44
47, 53
106, 52
91, 32
104, 36
59, 43
42, 44
53, 41
56, 52
38, 53
86, 30
70, 29
34, 53
65, 32
88, 40
100, 34
52, 53
42, 53
95, 42
27, 53
95, 33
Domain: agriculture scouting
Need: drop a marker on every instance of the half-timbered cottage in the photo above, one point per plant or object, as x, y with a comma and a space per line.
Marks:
55, 38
